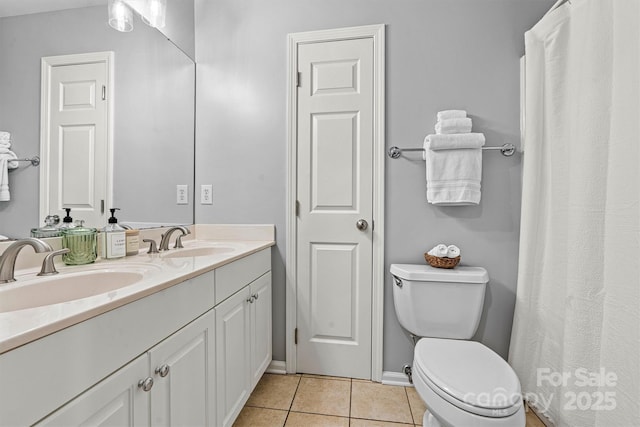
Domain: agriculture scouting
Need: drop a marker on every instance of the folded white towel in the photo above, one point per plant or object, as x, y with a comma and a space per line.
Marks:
5, 136
448, 126
454, 168
439, 250
454, 141
453, 251
451, 114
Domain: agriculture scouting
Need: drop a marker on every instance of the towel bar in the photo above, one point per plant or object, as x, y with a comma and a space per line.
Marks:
35, 160
507, 150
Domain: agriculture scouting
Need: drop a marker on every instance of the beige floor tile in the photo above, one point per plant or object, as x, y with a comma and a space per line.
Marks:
322, 396
416, 404
326, 377
533, 420
356, 422
298, 419
274, 391
260, 417
379, 402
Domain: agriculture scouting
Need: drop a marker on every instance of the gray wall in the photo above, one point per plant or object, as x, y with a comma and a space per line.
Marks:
440, 54
154, 112
180, 25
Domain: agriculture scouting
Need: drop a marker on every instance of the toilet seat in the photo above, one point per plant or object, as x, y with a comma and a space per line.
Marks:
469, 376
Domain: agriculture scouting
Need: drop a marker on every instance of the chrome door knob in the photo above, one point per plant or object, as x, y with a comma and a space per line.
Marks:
163, 370
362, 224
146, 384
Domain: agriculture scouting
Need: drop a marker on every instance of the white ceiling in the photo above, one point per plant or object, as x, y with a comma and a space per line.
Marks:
23, 7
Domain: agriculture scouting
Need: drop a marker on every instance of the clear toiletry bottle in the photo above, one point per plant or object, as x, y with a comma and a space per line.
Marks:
50, 228
81, 242
67, 221
114, 239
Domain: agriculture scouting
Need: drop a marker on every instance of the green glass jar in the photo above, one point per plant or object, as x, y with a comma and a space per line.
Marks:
82, 244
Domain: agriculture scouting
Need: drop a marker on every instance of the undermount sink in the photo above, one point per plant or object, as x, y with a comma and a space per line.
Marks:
196, 252
63, 288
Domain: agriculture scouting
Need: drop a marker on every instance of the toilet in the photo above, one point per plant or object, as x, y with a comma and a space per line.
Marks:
462, 382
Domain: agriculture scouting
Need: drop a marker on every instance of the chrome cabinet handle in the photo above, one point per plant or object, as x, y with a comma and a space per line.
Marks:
250, 299
255, 296
146, 384
362, 224
163, 370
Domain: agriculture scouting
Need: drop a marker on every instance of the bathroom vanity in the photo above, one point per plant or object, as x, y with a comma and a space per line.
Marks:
184, 344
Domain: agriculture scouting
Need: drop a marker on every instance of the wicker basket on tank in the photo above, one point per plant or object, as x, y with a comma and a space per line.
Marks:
438, 262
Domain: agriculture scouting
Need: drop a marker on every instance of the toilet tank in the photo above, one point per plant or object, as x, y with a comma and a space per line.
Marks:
439, 303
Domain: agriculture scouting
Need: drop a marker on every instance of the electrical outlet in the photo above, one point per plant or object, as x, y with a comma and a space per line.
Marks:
206, 194
182, 194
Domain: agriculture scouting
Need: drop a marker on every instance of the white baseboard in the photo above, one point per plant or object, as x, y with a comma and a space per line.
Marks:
395, 378
277, 367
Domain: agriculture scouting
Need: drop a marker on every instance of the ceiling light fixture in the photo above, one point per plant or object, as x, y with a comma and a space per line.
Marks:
120, 16
152, 13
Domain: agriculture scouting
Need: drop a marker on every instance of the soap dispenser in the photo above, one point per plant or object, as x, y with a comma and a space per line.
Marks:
114, 239
67, 221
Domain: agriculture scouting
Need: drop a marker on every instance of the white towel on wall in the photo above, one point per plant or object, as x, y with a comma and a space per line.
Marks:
454, 168
459, 125
451, 114
5, 152
5, 196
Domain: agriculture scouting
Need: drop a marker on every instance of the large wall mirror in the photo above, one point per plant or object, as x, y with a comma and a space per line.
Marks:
153, 115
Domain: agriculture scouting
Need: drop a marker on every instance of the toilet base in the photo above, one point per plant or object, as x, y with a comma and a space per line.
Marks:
429, 420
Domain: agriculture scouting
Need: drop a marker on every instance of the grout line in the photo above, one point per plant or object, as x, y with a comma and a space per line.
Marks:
406, 393
292, 399
350, 400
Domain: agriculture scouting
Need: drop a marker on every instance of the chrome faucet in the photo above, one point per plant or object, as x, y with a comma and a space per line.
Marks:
166, 237
8, 258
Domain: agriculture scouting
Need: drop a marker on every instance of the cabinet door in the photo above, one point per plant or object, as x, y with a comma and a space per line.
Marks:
261, 348
233, 380
115, 401
182, 368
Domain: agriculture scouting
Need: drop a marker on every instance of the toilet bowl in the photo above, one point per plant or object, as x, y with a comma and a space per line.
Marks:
463, 383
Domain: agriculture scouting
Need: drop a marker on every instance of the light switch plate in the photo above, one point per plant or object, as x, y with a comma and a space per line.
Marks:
206, 194
182, 194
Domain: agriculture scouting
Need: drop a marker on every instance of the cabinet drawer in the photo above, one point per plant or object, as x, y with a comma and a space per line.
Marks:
232, 277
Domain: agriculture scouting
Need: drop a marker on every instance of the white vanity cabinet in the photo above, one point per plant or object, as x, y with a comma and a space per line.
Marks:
115, 401
182, 366
171, 384
243, 344
194, 340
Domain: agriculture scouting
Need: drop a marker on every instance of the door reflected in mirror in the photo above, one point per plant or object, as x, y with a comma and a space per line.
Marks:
153, 112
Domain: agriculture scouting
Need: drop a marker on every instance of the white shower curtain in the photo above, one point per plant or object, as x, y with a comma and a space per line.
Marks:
575, 342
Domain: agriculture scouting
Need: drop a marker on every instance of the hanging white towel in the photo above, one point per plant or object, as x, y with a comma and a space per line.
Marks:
454, 168
5, 196
5, 152
451, 114
448, 126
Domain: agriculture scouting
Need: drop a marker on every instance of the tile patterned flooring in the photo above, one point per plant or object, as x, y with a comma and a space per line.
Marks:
312, 400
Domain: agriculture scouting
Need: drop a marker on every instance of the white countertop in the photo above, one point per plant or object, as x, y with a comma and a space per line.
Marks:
159, 271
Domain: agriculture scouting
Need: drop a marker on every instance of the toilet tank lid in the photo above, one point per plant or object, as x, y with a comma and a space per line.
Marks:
426, 273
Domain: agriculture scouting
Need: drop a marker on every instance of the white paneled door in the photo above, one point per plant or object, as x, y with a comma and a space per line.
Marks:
75, 137
335, 207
